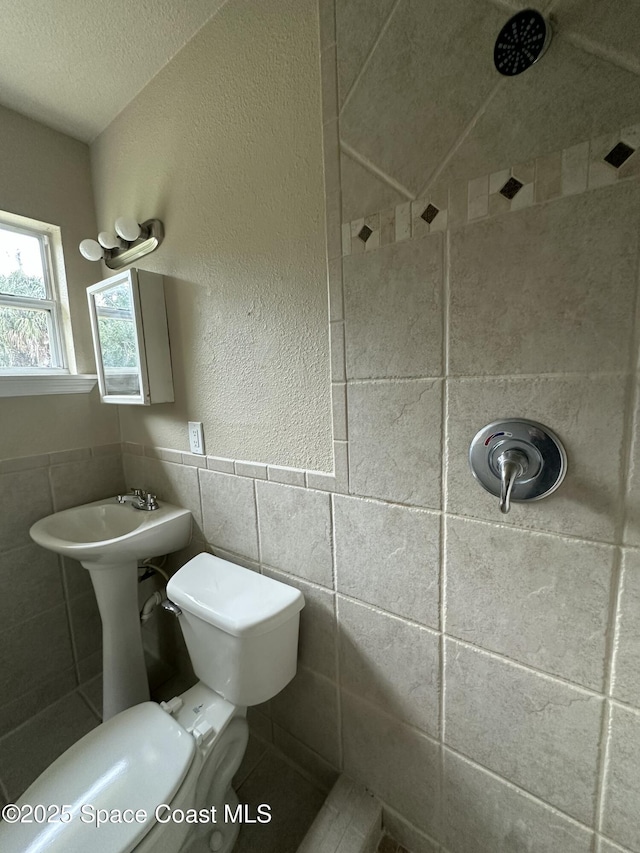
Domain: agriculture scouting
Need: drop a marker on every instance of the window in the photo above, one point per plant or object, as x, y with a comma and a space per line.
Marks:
30, 325
36, 345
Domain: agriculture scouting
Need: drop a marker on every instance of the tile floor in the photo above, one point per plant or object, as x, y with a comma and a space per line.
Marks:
264, 776
388, 845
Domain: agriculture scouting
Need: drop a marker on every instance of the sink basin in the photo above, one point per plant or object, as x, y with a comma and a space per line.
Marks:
109, 539
105, 532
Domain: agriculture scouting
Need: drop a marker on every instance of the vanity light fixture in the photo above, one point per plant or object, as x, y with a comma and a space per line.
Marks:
131, 241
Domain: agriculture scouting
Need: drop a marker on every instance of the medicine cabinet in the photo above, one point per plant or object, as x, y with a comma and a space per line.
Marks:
131, 338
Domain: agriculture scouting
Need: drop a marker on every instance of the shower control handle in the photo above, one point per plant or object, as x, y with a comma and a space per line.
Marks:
517, 460
512, 465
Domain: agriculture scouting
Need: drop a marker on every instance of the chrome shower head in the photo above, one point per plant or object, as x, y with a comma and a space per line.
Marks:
521, 42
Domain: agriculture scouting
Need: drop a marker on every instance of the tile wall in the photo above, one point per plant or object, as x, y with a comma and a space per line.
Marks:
479, 673
50, 638
476, 671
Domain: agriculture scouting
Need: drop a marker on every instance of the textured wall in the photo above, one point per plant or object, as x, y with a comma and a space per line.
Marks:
45, 176
225, 146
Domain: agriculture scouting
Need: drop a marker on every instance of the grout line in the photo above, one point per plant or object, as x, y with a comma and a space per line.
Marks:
463, 136
631, 402
258, 536
336, 646
585, 44
485, 377
67, 604
528, 794
368, 58
376, 170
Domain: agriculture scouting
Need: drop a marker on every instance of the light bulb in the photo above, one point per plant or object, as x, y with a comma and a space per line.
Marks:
91, 250
127, 228
108, 240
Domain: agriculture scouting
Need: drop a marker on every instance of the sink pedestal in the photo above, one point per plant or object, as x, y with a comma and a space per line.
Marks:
124, 678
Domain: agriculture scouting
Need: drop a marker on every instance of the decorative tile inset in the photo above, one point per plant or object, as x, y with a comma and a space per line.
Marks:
364, 233
619, 154
511, 188
429, 213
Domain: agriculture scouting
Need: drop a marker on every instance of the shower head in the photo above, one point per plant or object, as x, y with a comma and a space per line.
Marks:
521, 42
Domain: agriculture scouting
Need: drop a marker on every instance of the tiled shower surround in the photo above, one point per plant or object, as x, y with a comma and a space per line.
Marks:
479, 673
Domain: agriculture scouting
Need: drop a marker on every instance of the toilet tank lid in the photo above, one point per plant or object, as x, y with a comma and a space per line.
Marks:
236, 600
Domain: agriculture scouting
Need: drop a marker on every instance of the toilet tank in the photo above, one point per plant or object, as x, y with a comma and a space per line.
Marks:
241, 628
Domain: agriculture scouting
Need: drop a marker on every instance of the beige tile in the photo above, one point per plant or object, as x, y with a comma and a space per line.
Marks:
613, 28
23, 463
482, 814
176, 484
27, 752
537, 732
478, 198
339, 411
295, 531
336, 334
363, 192
75, 483
393, 311
606, 846
251, 469
548, 176
219, 463
194, 460
394, 441
294, 803
229, 512
632, 519
391, 663
622, 782
626, 663
331, 156
568, 308
86, 625
407, 835
575, 168
317, 640
329, 78
587, 415
15, 709
34, 651
403, 128
24, 498
546, 111
253, 754
323, 773
358, 24
403, 221
389, 556
307, 708
334, 272
327, 15
539, 599
31, 582
398, 762
288, 476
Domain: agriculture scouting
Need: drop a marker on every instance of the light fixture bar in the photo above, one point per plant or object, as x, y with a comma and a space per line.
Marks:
151, 235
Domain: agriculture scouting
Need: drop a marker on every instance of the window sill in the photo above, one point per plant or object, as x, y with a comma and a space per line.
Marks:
32, 385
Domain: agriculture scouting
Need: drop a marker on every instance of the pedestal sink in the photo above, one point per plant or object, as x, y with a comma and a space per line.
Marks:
109, 538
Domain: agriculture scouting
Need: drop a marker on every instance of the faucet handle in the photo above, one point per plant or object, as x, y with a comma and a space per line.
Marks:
150, 502
138, 493
512, 465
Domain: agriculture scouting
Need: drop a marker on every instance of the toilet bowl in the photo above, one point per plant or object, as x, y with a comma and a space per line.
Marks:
158, 777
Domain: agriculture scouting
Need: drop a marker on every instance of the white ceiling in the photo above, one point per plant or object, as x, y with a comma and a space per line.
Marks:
75, 64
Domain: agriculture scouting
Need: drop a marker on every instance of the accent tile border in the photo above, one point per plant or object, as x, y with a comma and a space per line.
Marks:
58, 457
572, 171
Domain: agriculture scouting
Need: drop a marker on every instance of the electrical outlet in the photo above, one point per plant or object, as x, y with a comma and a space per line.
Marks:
196, 437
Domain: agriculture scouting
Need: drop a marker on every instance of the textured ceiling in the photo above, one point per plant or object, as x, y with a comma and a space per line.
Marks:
75, 65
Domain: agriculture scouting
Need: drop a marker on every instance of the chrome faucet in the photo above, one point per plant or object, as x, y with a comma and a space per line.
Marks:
140, 499
512, 465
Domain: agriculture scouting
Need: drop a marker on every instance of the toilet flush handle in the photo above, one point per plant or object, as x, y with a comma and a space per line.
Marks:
170, 607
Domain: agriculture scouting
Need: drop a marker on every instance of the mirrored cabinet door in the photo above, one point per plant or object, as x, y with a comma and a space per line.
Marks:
131, 339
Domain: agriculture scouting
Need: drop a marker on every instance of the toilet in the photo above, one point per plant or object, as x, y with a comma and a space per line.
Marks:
158, 777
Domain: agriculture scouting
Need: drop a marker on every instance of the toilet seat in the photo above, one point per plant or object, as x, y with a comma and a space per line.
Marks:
136, 761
